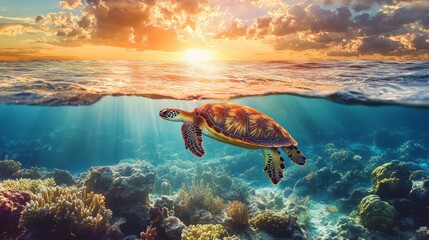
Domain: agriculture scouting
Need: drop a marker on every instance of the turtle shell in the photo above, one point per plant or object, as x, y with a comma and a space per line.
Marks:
244, 124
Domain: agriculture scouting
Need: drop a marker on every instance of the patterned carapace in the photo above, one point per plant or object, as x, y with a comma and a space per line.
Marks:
244, 124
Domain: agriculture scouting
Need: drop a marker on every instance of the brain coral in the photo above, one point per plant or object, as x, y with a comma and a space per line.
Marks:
278, 225
391, 180
376, 214
206, 232
66, 213
12, 203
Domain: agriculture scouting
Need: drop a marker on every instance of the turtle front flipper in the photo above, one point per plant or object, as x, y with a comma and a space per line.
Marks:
193, 141
274, 164
295, 155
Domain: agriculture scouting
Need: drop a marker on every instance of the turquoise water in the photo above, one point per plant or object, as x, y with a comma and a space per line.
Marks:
78, 137
363, 126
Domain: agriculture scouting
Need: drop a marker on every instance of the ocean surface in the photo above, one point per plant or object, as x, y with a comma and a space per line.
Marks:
349, 118
85, 82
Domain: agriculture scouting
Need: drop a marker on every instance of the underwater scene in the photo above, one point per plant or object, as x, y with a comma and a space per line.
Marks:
169, 150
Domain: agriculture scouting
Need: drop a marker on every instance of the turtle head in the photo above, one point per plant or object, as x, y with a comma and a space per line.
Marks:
175, 115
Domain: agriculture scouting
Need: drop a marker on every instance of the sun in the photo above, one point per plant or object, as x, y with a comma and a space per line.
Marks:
197, 55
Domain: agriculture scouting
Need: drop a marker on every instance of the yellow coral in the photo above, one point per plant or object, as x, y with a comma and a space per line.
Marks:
275, 223
82, 214
238, 212
376, 214
205, 232
33, 185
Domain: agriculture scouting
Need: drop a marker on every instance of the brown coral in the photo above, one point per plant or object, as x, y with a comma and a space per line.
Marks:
238, 212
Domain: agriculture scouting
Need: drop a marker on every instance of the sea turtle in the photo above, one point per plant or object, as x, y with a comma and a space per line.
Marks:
240, 126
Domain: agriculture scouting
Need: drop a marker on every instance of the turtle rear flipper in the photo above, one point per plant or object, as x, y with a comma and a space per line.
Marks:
274, 164
192, 137
295, 155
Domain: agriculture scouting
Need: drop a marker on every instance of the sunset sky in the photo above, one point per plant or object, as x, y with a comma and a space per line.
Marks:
214, 29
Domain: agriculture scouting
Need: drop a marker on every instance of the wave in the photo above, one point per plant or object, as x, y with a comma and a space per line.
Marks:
366, 82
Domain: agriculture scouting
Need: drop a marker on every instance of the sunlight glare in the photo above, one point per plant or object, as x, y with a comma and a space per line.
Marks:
197, 55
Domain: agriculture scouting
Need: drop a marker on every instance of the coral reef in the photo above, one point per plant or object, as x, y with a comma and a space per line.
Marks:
196, 204
149, 234
316, 182
8, 168
419, 195
208, 231
347, 204
278, 225
122, 183
61, 177
31, 173
33, 185
376, 214
391, 180
196, 194
422, 234
65, 213
126, 187
238, 212
170, 228
347, 228
412, 150
165, 188
12, 203
298, 207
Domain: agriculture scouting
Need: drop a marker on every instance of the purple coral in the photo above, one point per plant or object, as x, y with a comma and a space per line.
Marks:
12, 203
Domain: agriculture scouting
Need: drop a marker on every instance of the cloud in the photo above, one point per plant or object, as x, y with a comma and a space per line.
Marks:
14, 29
341, 30
70, 4
235, 31
373, 45
421, 42
136, 24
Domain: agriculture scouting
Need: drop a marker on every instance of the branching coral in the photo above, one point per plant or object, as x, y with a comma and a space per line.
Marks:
238, 212
8, 168
277, 225
376, 214
33, 185
70, 213
12, 203
206, 232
